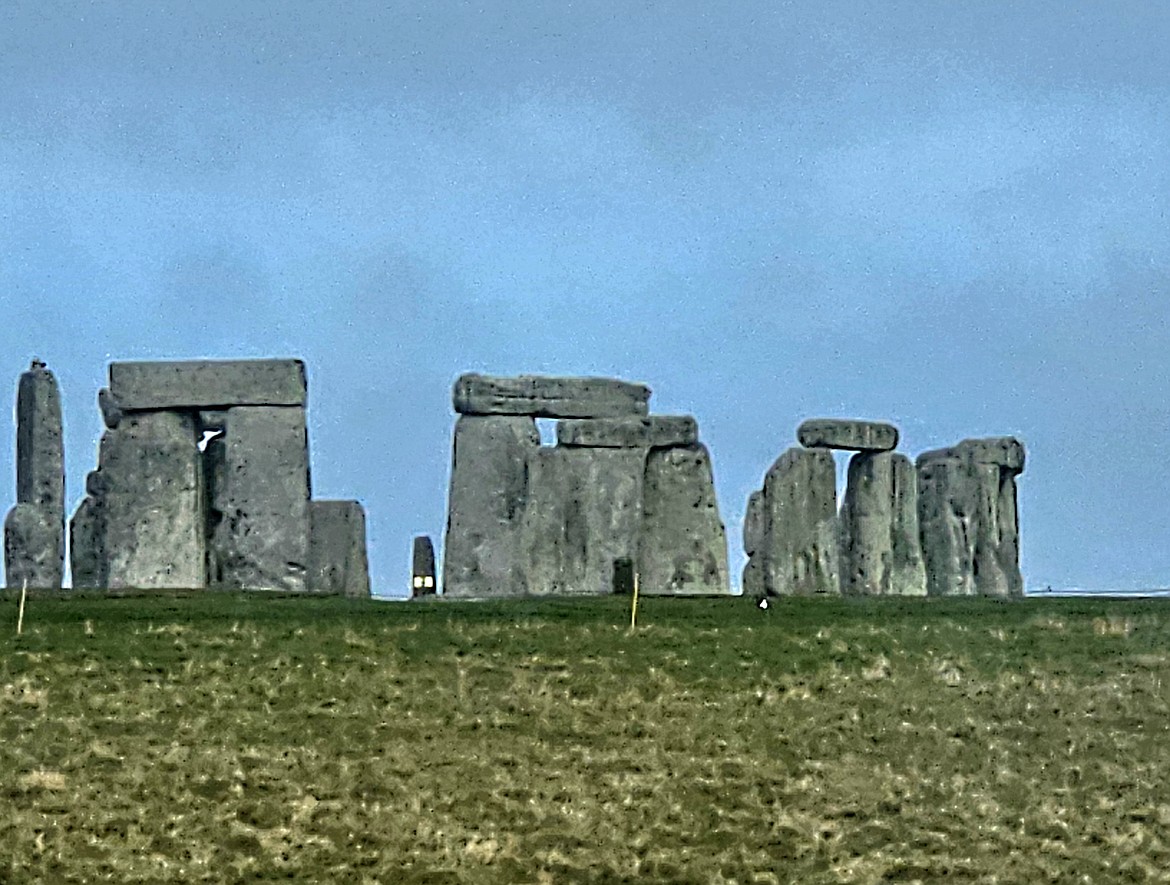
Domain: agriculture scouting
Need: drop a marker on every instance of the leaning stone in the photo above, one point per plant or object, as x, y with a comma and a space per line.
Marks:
152, 477
582, 518
879, 528
835, 433
657, 431
260, 500
422, 567
801, 552
485, 505
32, 547
549, 397
207, 384
337, 549
683, 549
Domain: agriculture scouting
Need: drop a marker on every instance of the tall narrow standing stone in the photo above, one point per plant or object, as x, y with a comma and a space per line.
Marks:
482, 554
753, 545
260, 500
34, 532
800, 545
148, 505
879, 528
422, 567
683, 549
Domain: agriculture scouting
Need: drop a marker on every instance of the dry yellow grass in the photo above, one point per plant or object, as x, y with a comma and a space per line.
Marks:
235, 739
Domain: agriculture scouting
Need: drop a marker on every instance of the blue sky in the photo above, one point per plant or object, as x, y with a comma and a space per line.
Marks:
951, 216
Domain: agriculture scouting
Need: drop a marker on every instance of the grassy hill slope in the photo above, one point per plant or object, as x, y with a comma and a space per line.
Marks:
248, 738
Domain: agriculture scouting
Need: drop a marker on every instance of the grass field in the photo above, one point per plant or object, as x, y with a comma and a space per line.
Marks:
250, 738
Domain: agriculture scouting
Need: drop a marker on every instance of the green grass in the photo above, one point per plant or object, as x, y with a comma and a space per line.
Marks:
248, 738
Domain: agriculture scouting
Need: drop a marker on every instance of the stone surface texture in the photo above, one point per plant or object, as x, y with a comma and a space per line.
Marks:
549, 397
338, 560
258, 498
800, 549
839, 433
879, 526
34, 542
150, 510
205, 384
482, 553
968, 518
683, 548
423, 577
658, 431
581, 519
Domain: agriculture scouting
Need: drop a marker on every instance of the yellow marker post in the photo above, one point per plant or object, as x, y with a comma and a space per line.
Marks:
634, 606
20, 613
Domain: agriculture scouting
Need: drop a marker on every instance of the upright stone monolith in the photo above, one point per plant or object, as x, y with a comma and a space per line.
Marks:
968, 518
483, 550
34, 531
683, 549
582, 518
260, 500
800, 545
338, 562
753, 545
879, 527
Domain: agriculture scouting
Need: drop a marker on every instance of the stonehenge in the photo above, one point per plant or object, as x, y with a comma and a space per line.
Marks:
34, 530
202, 481
944, 526
623, 494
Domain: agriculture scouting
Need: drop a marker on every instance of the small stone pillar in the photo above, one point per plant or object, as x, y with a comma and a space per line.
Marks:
34, 532
422, 567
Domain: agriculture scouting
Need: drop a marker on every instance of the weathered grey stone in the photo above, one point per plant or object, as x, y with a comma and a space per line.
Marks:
207, 384
800, 548
152, 503
87, 544
40, 485
422, 567
110, 409
659, 431
968, 520
879, 528
260, 499
683, 549
838, 433
482, 554
337, 549
32, 547
549, 397
582, 518
753, 544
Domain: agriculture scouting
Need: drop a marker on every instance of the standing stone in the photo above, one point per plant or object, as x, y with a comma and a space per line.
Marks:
422, 567
968, 518
337, 549
149, 507
582, 519
879, 527
260, 500
482, 553
838, 433
800, 548
683, 549
753, 545
87, 544
34, 532
549, 397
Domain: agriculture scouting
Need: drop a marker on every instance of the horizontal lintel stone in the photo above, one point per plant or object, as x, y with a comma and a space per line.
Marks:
654, 431
207, 384
549, 397
851, 435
